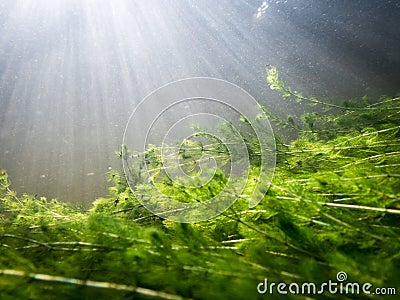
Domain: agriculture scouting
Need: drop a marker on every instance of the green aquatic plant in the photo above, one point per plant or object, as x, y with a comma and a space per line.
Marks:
333, 206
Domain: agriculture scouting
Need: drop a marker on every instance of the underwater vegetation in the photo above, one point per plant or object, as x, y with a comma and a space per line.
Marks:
333, 206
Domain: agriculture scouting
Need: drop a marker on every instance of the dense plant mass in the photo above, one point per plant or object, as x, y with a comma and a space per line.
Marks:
333, 206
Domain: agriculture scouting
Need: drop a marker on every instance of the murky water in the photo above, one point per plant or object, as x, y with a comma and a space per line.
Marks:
71, 71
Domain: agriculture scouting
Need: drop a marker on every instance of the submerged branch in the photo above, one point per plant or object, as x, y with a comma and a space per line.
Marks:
91, 283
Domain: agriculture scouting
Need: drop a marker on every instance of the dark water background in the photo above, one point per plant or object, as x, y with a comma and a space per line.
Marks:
71, 71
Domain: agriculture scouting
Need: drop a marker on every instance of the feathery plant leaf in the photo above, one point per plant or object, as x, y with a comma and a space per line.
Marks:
333, 206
